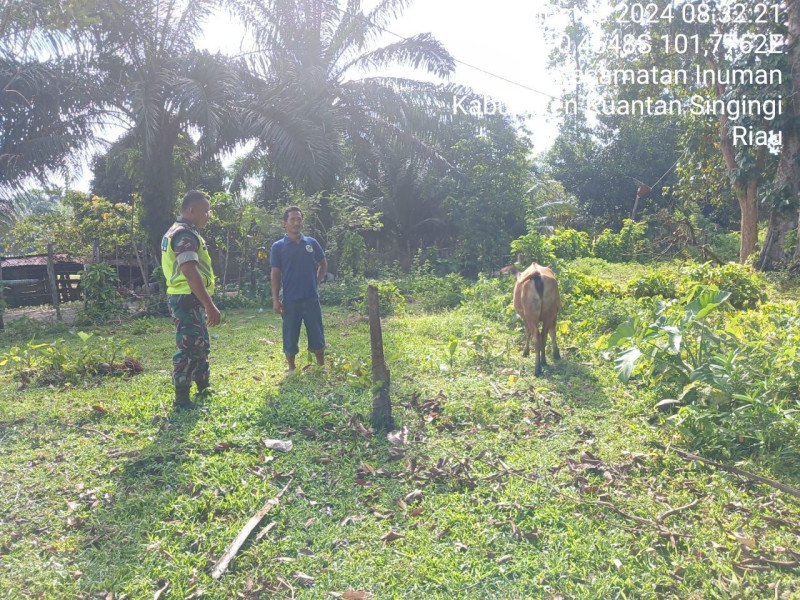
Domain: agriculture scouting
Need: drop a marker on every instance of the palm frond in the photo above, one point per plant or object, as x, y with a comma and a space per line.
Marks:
421, 51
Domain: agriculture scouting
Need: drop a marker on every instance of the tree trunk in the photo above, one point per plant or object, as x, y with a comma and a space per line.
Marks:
51, 275
2, 290
783, 218
381, 418
227, 253
158, 189
746, 189
748, 203
141, 267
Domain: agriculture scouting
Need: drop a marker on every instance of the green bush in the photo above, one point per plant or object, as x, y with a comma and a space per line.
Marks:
491, 297
437, 293
598, 316
389, 297
726, 245
737, 395
55, 363
627, 245
342, 292
353, 257
225, 302
533, 247
103, 302
570, 244
661, 282
576, 284
747, 288
25, 328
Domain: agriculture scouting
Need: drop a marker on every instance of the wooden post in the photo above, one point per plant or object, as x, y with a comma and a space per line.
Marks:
51, 274
381, 418
227, 253
2, 294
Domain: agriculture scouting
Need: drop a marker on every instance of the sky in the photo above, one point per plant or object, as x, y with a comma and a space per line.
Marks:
494, 45
492, 42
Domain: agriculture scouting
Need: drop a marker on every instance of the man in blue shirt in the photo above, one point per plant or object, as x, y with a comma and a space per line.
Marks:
298, 264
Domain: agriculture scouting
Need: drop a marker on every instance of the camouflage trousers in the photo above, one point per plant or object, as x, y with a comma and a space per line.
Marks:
190, 361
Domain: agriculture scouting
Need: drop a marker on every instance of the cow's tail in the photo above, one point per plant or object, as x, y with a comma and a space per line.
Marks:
536, 277
538, 283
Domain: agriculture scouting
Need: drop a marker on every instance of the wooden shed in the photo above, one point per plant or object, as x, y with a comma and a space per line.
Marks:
26, 283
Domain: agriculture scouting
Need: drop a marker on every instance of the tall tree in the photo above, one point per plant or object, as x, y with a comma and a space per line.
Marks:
313, 54
783, 213
46, 105
161, 88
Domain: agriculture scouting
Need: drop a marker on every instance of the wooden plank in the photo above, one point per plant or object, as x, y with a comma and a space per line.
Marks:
222, 564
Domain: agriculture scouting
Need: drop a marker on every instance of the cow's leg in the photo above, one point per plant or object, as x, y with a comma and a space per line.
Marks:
543, 343
527, 350
537, 340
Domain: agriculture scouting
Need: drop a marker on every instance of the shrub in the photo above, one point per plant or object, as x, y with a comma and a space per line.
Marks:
353, 257
342, 292
661, 282
389, 297
437, 293
570, 244
597, 316
726, 245
103, 302
577, 284
745, 285
737, 395
533, 247
225, 302
56, 363
491, 297
25, 328
624, 246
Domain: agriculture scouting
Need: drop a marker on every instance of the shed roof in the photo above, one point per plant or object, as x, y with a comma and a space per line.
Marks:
37, 260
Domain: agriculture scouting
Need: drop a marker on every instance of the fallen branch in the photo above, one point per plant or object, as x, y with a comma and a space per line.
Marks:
662, 531
90, 430
742, 473
672, 511
222, 564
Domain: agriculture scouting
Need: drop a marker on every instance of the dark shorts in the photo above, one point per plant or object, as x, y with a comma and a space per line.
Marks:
306, 311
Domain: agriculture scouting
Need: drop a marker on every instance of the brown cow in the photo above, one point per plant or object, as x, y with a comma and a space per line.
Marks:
536, 299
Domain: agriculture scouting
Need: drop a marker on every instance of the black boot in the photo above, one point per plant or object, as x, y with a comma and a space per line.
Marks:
203, 388
182, 401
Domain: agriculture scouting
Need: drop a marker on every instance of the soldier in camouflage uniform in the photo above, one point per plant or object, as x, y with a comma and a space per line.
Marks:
190, 283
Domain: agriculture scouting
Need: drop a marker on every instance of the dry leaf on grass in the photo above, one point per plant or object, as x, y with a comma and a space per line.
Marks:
302, 578
392, 536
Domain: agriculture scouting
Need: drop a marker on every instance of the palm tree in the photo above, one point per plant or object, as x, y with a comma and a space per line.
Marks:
161, 89
46, 108
313, 56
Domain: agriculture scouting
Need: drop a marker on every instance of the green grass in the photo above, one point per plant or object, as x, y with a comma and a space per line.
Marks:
510, 503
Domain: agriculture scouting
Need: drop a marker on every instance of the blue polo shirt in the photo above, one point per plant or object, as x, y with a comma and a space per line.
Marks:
298, 264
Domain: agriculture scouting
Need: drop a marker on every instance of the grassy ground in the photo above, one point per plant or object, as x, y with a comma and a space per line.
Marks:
508, 486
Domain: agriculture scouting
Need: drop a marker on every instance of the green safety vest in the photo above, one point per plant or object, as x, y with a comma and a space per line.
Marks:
176, 281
